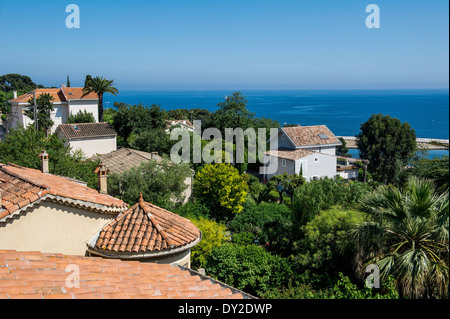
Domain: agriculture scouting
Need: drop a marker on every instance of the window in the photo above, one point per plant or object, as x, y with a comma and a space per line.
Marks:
315, 178
316, 159
283, 162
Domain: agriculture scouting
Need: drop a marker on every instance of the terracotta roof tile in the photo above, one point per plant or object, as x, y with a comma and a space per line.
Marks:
290, 154
146, 228
310, 135
117, 280
21, 186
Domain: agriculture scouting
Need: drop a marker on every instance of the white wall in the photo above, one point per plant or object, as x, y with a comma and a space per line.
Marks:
89, 106
317, 165
330, 150
92, 146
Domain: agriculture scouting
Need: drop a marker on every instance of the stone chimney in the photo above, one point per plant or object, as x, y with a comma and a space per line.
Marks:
102, 173
44, 162
154, 155
15, 94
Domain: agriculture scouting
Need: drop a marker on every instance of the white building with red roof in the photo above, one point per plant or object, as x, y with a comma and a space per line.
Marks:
309, 150
66, 101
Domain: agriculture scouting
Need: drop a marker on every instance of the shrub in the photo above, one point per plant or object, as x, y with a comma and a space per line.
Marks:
249, 268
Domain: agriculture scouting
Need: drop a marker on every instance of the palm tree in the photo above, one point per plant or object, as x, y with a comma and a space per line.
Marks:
406, 235
100, 86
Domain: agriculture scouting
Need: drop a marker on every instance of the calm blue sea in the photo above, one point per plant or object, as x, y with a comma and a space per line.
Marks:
343, 111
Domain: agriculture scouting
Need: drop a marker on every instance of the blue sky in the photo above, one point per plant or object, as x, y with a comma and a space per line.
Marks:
222, 44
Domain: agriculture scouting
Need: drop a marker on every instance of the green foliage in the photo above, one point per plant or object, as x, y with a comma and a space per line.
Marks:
249, 268
260, 192
81, 117
286, 184
108, 115
23, 146
388, 144
100, 86
167, 183
319, 253
244, 238
268, 223
152, 140
435, 169
137, 119
213, 235
44, 108
233, 113
310, 198
343, 289
16, 82
192, 210
221, 188
407, 237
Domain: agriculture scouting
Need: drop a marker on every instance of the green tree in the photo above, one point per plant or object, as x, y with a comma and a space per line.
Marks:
160, 183
81, 117
249, 268
269, 223
22, 146
317, 195
44, 108
213, 235
435, 169
16, 82
100, 86
407, 237
221, 188
388, 144
286, 184
319, 253
137, 119
152, 140
233, 113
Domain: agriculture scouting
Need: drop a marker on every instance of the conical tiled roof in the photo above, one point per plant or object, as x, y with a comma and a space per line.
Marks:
146, 228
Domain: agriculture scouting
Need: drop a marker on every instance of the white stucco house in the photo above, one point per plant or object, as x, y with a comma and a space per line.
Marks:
90, 138
66, 101
310, 150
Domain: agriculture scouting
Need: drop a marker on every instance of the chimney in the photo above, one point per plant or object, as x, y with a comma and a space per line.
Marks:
44, 162
102, 173
154, 155
15, 94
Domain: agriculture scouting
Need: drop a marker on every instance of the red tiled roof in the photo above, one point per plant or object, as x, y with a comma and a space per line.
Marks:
21, 186
310, 135
36, 275
147, 228
59, 95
